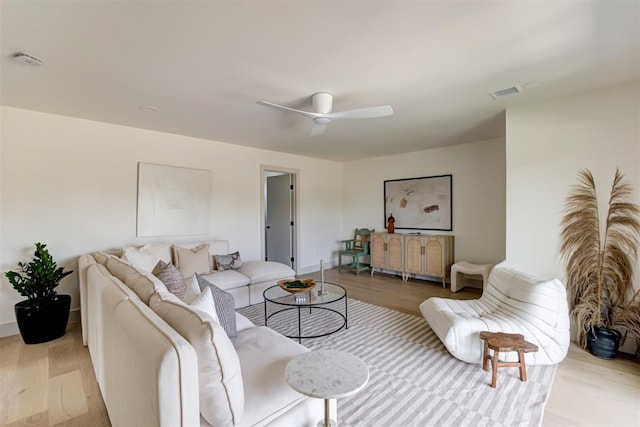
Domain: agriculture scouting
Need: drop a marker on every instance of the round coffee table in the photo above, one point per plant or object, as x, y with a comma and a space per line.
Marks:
327, 374
285, 302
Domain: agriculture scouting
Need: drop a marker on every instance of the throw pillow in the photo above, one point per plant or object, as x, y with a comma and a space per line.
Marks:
143, 284
192, 261
220, 388
101, 257
141, 258
172, 278
204, 303
228, 262
193, 289
225, 306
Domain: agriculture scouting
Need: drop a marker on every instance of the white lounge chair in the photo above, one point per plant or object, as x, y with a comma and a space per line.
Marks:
512, 302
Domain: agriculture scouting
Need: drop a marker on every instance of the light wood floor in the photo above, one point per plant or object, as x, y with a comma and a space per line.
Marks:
53, 383
49, 384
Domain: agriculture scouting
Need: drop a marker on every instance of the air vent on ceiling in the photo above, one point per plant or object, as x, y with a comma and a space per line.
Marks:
27, 59
502, 93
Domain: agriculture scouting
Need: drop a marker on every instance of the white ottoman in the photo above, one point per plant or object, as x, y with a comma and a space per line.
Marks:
459, 269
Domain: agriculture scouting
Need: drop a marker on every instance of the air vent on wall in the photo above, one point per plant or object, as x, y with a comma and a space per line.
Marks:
502, 93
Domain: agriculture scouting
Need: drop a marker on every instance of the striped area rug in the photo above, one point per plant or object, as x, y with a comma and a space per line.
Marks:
414, 381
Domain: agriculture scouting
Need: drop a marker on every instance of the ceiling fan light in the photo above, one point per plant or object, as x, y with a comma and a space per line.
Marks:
321, 120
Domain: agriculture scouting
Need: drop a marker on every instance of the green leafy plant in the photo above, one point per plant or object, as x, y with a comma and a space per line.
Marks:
600, 265
38, 278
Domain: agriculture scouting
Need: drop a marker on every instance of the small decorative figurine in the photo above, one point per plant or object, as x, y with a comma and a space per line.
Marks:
390, 224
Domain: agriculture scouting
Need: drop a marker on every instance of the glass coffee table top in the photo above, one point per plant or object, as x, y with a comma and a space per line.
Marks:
333, 292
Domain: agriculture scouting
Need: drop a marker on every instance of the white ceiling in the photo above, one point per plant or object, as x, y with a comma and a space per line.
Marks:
205, 64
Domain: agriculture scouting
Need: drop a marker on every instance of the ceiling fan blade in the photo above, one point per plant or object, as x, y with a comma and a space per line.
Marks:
282, 107
318, 129
363, 113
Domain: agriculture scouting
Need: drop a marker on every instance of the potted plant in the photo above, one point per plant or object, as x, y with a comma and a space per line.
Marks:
600, 265
44, 314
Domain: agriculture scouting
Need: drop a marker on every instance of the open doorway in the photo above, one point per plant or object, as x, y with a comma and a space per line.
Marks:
279, 215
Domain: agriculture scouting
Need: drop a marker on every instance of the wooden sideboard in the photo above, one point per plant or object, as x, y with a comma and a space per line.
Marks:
412, 254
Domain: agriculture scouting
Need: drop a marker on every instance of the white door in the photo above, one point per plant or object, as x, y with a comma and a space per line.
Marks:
279, 221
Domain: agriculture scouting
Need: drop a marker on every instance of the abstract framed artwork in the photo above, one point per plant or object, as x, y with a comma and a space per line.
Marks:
420, 203
173, 200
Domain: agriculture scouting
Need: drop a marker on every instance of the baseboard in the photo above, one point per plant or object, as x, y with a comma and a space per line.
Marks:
315, 268
11, 328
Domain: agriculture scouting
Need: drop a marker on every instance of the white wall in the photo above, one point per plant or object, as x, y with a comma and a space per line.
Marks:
72, 184
547, 144
478, 171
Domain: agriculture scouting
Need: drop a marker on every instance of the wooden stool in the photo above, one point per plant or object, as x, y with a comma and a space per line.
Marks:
499, 341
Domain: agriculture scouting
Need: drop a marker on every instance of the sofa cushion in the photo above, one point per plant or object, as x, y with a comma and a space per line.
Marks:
101, 257
172, 278
263, 271
142, 258
263, 356
225, 306
227, 262
192, 261
143, 284
219, 372
228, 279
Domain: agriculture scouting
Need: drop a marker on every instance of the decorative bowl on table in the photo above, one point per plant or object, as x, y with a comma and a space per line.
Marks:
296, 285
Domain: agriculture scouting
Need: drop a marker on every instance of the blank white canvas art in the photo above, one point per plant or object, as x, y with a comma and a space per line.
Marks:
173, 200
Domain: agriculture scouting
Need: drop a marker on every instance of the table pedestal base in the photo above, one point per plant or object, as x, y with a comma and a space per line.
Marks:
327, 422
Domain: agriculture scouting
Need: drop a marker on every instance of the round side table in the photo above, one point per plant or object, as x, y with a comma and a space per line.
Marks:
327, 374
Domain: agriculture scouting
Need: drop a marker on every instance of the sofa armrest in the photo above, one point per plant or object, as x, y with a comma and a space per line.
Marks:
83, 264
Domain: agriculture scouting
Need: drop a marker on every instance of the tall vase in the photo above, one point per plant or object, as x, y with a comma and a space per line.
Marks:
603, 342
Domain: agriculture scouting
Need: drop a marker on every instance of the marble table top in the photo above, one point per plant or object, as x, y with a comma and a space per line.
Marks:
327, 374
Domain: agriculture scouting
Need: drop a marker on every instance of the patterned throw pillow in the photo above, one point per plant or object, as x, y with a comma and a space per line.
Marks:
225, 307
228, 262
171, 277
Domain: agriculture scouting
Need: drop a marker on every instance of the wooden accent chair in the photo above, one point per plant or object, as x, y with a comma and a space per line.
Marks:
355, 248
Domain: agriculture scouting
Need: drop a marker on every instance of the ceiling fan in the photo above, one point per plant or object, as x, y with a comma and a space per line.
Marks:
323, 104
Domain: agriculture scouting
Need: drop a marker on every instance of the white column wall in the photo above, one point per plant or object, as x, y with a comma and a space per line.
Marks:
547, 144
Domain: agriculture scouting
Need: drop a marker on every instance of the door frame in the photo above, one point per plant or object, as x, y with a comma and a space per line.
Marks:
296, 210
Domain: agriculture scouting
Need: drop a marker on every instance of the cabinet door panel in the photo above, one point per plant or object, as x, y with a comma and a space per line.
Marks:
413, 255
377, 251
435, 258
394, 253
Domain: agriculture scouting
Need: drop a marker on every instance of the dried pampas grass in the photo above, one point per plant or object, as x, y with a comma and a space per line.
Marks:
599, 270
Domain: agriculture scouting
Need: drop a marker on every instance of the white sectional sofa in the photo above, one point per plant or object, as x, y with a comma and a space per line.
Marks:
246, 283
511, 302
148, 360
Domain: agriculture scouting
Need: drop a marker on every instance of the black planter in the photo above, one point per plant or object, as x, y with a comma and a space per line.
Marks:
603, 342
43, 321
